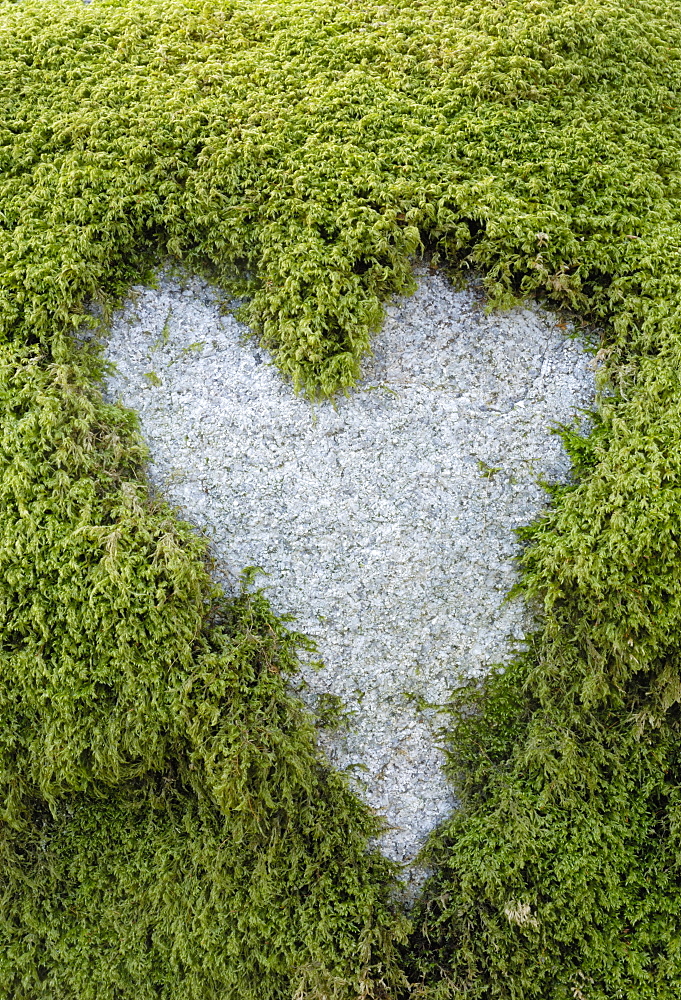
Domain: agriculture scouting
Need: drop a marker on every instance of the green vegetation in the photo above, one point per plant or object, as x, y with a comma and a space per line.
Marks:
168, 827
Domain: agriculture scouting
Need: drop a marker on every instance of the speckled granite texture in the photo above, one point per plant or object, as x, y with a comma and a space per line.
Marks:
383, 520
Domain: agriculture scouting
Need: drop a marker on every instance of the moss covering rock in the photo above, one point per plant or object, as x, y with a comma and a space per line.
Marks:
169, 829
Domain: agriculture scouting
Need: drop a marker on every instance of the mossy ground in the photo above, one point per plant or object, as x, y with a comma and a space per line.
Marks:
168, 829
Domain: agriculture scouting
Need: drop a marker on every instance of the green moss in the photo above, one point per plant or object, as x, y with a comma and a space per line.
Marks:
169, 829
147, 892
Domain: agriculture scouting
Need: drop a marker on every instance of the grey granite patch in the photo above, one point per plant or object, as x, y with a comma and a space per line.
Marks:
384, 520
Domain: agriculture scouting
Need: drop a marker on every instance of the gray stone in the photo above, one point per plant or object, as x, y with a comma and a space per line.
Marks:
383, 520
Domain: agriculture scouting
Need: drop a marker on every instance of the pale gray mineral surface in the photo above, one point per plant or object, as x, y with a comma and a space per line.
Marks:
384, 520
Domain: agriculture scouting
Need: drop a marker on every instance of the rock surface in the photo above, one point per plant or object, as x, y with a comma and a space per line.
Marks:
383, 520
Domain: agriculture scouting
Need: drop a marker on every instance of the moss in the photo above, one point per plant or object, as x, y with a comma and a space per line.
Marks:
169, 829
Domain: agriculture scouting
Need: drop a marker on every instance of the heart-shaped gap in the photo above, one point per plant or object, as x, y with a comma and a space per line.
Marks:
384, 520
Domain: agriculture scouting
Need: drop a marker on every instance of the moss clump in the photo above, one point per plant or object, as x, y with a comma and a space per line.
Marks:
168, 828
